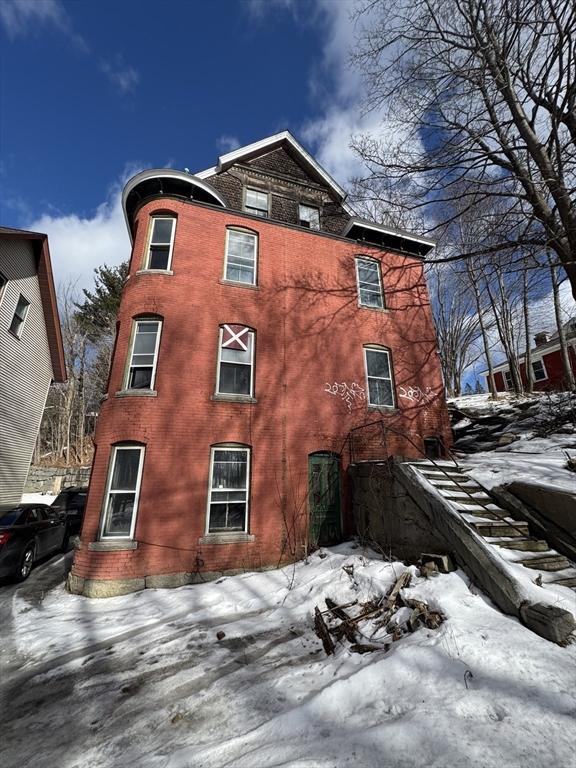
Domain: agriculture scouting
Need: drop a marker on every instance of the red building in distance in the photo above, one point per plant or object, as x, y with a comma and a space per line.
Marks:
261, 323
546, 361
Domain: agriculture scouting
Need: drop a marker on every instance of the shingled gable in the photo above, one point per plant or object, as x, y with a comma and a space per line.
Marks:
48, 294
261, 154
279, 164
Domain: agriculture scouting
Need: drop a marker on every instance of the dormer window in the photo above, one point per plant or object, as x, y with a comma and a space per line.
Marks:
256, 203
309, 216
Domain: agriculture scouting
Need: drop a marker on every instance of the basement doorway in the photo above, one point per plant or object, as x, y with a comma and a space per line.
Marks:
324, 499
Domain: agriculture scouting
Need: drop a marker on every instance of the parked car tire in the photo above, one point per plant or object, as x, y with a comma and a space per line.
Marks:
26, 563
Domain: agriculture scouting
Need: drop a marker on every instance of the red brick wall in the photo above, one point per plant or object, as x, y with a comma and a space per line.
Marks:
309, 333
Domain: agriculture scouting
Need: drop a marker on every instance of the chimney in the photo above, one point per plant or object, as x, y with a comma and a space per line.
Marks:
541, 338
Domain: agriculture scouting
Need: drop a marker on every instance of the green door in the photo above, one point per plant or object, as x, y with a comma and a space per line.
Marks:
324, 499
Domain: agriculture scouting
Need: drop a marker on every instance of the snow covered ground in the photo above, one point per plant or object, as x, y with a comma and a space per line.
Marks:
537, 455
142, 680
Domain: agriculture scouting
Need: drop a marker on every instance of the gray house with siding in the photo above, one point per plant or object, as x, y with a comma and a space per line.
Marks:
31, 352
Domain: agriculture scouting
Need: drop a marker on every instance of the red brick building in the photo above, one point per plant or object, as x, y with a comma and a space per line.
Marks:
546, 360
260, 324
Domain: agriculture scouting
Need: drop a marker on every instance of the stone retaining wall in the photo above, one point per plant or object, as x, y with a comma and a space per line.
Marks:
53, 479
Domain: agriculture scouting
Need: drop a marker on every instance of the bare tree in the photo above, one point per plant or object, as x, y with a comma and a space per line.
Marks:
457, 324
481, 92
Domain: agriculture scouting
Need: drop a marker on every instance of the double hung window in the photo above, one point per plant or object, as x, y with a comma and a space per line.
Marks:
508, 382
256, 203
228, 493
143, 354
161, 243
369, 283
241, 248
19, 317
379, 377
235, 361
539, 370
122, 492
309, 216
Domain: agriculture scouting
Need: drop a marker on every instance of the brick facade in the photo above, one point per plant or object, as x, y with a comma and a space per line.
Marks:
309, 336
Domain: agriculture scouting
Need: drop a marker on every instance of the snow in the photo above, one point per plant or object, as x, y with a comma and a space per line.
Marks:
142, 681
37, 498
535, 456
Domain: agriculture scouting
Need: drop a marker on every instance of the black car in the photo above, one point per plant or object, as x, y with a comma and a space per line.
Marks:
29, 532
71, 503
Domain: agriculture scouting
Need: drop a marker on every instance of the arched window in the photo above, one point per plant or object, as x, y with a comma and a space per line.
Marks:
122, 492
229, 486
235, 374
143, 355
160, 242
241, 258
379, 376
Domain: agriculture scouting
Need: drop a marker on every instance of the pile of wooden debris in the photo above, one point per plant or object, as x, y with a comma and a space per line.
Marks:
379, 622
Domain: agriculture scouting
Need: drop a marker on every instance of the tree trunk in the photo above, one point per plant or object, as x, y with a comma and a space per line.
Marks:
564, 353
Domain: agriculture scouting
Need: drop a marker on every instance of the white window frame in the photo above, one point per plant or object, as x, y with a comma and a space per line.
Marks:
508, 380
252, 210
541, 361
252, 347
129, 366
312, 208
168, 266
255, 236
228, 447
132, 446
18, 333
375, 348
379, 268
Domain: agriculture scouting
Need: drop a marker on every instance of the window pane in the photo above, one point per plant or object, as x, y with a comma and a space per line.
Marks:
234, 379
368, 272
380, 392
144, 341
223, 496
377, 363
238, 355
229, 469
158, 258
140, 378
310, 215
217, 517
119, 514
125, 469
255, 199
227, 517
370, 298
162, 232
241, 244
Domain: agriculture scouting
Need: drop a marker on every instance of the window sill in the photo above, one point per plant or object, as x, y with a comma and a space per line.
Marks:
383, 408
234, 398
385, 310
112, 545
238, 284
155, 272
136, 393
232, 537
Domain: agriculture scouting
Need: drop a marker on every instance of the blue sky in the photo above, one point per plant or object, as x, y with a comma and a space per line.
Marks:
92, 91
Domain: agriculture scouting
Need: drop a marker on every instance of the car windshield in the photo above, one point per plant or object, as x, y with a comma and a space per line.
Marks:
14, 517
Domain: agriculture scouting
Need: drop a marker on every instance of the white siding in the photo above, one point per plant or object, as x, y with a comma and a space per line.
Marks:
25, 369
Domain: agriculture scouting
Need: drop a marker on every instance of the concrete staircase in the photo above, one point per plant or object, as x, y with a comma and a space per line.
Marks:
510, 537
519, 571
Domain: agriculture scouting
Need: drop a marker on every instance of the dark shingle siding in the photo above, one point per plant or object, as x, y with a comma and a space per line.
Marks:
289, 185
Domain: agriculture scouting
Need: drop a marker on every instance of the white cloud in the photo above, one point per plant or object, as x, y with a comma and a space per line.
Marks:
227, 143
124, 77
22, 17
78, 244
